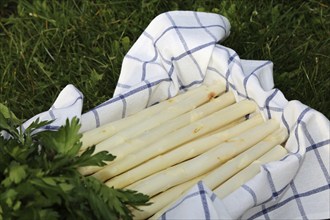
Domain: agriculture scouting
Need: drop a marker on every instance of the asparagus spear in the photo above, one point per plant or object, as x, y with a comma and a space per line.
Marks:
150, 136
231, 167
163, 200
205, 162
182, 153
166, 199
249, 172
95, 136
197, 98
178, 137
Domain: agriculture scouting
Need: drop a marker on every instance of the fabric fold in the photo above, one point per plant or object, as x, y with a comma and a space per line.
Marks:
67, 105
169, 57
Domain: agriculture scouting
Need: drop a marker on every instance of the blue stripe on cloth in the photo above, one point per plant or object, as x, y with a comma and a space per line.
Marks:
184, 199
51, 114
266, 216
140, 60
270, 181
145, 33
285, 123
318, 145
243, 95
316, 151
185, 46
204, 200
132, 92
149, 91
163, 217
74, 102
286, 156
97, 118
221, 75
185, 87
46, 127
77, 99
215, 70
206, 30
213, 197
125, 86
201, 193
186, 27
123, 113
171, 70
134, 58
191, 51
219, 46
298, 201
79, 92
152, 61
245, 81
50, 127
169, 95
272, 108
271, 198
205, 27
306, 133
229, 61
269, 98
180, 56
164, 60
292, 198
232, 58
144, 65
251, 192
230, 84
299, 157
299, 120
229, 72
181, 87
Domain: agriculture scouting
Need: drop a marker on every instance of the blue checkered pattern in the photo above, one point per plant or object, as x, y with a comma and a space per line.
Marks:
180, 50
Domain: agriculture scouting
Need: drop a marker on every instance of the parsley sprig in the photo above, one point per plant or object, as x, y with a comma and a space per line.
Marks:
39, 177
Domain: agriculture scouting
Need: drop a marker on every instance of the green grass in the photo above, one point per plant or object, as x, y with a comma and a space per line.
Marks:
46, 45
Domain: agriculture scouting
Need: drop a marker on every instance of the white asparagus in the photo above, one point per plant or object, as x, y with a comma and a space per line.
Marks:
153, 135
178, 137
203, 94
249, 172
227, 126
164, 200
181, 153
95, 136
205, 162
233, 166
169, 197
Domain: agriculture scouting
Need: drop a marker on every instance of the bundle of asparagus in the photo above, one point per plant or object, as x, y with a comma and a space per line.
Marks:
202, 134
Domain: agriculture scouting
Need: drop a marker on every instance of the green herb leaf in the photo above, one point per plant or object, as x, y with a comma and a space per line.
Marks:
64, 141
40, 179
17, 172
4, 124
88, 159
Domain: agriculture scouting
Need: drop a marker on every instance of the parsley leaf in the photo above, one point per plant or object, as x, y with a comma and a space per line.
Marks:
39, 176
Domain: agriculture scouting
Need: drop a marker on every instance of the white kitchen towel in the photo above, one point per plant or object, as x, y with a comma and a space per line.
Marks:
67, 105
180, 50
